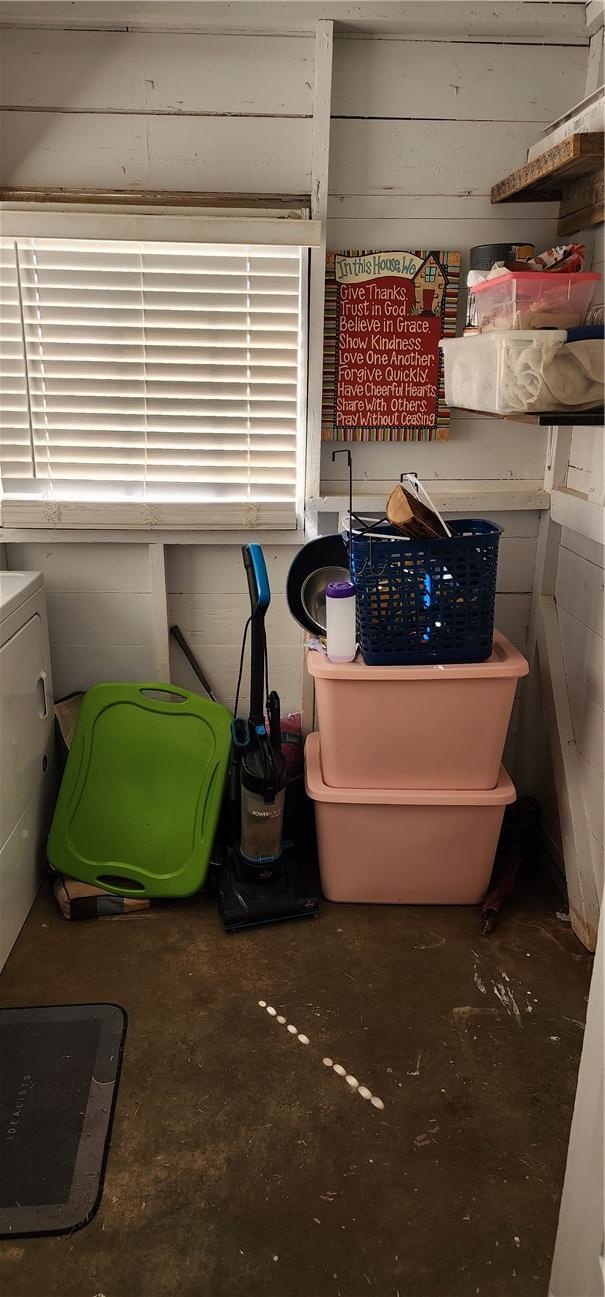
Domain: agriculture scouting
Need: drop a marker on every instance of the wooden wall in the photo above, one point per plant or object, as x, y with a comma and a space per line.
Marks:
100, 613
99, 610
157, 110
421, 127
579, 589
208, 597
420, 131
580, 595
143, 110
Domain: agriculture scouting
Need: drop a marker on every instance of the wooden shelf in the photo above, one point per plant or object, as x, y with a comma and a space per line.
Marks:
571, 171
546, 177
550, 419
578, 419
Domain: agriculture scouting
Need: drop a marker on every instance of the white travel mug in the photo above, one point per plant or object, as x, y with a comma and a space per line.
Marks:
340, 621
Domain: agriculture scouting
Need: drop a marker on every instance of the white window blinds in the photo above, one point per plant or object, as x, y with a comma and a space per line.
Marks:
151, 371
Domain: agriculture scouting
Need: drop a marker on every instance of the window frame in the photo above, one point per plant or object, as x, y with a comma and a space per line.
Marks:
275, 226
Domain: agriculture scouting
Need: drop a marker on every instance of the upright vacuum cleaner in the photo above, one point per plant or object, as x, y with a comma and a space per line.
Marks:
261, 880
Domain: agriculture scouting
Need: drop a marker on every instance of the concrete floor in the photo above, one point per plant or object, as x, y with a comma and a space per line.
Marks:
241, 1165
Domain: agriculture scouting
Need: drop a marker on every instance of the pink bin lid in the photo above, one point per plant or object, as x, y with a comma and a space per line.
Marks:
319, 791
559, 277
505, 660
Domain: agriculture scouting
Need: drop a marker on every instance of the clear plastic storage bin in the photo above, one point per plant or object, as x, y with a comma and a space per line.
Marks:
503, 373
528, 299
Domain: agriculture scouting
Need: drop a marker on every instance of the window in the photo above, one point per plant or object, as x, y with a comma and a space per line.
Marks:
154, 372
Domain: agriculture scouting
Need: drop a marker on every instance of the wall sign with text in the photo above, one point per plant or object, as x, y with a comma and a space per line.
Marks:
385, 313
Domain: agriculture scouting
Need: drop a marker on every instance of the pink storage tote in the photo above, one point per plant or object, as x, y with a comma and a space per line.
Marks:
413, 847
418, 726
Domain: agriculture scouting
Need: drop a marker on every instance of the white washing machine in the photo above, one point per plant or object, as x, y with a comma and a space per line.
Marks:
27, 764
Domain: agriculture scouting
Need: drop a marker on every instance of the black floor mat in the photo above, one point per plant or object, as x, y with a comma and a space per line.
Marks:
59, 1071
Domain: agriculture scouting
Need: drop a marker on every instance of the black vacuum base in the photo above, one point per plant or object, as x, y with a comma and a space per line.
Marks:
292, 893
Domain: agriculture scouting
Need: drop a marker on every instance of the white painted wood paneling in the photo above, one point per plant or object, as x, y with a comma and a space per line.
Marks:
208, 598
387, 206
150, 73
99, 610
598, 863
592, 791
374, 78
595, 16
583, 448
118, 151
516, 561
99, 619
220, 570
586, 472
85, 568
579, 595
595, 73
220, 618
476, 448
596, 491
588, 724
522, 523
438, 231
579, 479
79, 668
583, 897
512, 618
585, 546
424, 157
512, 20
583, 655
579, 590
221, 662
574, 510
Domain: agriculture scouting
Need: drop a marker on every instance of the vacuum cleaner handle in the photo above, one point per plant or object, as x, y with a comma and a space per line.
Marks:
241, 739
258, 581
260, 598
274, 714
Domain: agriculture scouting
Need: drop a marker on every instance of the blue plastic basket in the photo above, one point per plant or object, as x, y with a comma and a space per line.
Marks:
422, 601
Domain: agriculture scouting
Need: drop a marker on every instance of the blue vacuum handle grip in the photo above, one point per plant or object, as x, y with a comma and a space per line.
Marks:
258, 581
260, 598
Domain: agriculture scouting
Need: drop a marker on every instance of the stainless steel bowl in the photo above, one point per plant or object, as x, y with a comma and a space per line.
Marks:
313, 592
323, 559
